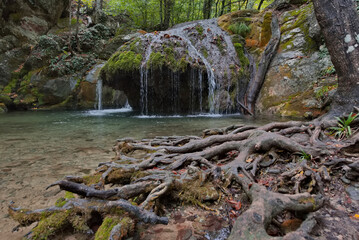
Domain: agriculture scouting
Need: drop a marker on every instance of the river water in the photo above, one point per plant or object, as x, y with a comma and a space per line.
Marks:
39, 148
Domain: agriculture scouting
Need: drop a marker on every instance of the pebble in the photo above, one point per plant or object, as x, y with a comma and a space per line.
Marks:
353, 192
345, 180
273, 170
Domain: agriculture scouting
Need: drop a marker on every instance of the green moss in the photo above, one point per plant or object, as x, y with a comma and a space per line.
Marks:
11, 86
156, 61
91, 179
199, 29
240, 28
136, 46
63, 200
103, 233
266, 32
182, 65
220, 44
240, 53
16, 17
196, 192
24, 218
51, 225
299, 20
69, 195
204, 52
125, 61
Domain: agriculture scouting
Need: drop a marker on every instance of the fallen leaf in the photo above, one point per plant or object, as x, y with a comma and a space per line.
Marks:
249, 160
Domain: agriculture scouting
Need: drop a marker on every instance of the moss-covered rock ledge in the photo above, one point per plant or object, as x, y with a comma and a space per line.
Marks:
173, 70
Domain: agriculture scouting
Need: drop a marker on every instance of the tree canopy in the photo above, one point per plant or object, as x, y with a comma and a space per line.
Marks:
161, 14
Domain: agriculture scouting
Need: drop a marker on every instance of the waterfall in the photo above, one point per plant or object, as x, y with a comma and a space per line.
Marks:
99, 94
200, 90
194, 53
144, 77
222, 58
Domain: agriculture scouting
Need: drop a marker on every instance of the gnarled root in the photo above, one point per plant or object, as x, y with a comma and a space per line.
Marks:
224, 166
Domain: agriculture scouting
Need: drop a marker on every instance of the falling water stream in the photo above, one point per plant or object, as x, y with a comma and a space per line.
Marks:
99, 94
155, 39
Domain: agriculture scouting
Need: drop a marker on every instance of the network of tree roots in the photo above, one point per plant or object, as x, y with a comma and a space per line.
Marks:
255, 177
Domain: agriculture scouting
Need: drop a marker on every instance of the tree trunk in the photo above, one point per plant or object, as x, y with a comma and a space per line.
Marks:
222, 8
161, 13
339, 22
168, 5
98, 5
250, 4
207, 9
260, 4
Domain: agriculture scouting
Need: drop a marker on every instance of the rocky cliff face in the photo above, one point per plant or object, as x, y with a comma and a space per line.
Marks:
37, 67
21, 23
293, 81
198, 67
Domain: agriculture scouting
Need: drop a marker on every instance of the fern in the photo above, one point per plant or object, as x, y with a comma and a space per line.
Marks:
343, 129
240, 29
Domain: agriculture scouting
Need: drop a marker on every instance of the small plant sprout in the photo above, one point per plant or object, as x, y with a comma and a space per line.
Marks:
343, 129
305, 156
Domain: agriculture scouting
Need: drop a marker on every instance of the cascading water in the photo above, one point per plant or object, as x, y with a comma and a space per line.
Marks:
99, 94
210, 59
144, 76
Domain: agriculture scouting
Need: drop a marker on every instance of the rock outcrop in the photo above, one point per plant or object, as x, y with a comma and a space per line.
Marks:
297, 82
45, 67
189, 69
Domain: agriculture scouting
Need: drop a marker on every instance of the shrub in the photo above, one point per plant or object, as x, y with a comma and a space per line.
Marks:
240, 29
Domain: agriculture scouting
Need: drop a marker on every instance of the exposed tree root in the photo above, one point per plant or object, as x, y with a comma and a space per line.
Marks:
282, 166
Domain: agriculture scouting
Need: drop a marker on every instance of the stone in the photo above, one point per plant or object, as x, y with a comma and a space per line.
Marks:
58, 89
353, 192
3, 108
116, 42
288, 87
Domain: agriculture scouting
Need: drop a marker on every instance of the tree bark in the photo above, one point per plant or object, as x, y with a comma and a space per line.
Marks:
339, 22
260, 4
168, 5
207, 9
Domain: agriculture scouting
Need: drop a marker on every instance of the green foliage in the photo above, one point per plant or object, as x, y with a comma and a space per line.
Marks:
199, 29
104, 232
240, 28
240, 53
328, 71
323, 91
305, 156
65, 64
343, 129
147, 14
125, 61
156, 61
